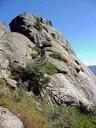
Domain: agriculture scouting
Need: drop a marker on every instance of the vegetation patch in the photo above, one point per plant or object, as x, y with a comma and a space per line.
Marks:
38, 24
57, 55
43, 115
25, 109
51, 116
67, 117
2, 83
33, 76
34, 55
50, 68
48, 39
53, 35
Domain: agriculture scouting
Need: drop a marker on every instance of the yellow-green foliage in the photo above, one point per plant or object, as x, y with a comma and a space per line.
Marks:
34, 55
26, 107
55, 116
28, 115
57, 55
38, 24
2, 83
50, 68
46, 67
67, 117
23, 106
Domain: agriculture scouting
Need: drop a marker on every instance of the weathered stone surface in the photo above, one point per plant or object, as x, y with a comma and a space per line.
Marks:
25, 24
11, 83
3, 29
14, 47
74, 82
9, 120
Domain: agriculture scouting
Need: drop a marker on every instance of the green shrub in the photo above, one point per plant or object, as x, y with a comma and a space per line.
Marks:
58, 116
13, 65
38, 24
57, 55
51, 116
18, 72
35, 69
50, 68
2, 83
34, 55
24, 109
48, 39
34, 75
21, 96
66, 117
53, 35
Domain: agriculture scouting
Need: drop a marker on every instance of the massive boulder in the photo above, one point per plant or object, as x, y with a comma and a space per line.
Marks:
8, 119
14, 47
29, 25
74, 82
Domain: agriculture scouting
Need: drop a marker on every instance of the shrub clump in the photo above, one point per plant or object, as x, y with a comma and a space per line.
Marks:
50, 68
67, 117
2, 83
57, 55
24, 108
53, 35
34, 75
34, 55
38, 24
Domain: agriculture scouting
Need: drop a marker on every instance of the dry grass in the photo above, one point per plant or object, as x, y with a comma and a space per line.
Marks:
30, 115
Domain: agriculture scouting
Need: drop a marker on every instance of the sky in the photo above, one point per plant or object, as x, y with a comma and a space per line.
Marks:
76, 19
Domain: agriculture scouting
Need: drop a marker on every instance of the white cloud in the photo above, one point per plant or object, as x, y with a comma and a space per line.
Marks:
89, 62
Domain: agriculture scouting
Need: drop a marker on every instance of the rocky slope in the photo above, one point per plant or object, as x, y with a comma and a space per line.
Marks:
34, 39
29, 34
74, 82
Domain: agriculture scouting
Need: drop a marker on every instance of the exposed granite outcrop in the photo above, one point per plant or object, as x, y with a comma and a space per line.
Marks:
74, 82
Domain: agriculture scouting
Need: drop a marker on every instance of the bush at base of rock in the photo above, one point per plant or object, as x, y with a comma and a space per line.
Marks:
57, 55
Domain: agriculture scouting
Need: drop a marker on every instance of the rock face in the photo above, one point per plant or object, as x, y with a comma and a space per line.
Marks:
26, 24
3, 29
9, 120
74, 82
13, 47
